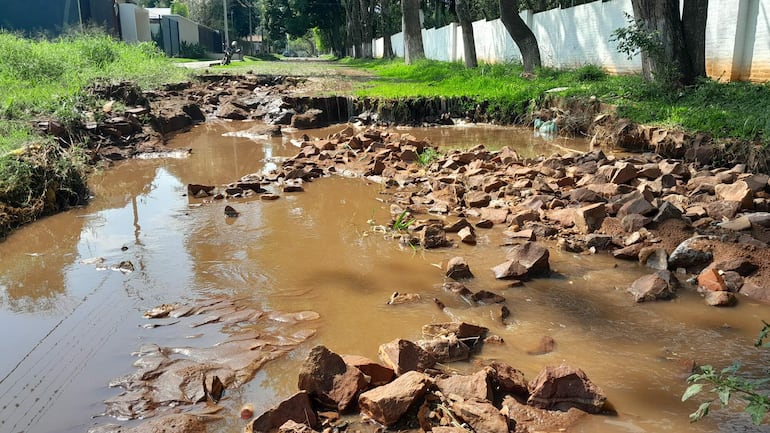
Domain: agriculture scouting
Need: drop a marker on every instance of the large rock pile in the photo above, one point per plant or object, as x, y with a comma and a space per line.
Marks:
664, 213
410, 390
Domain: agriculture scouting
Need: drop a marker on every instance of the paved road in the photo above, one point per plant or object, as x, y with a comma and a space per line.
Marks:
198, 65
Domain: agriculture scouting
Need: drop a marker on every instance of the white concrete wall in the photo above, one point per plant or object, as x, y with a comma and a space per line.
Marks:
737, 39
188, 30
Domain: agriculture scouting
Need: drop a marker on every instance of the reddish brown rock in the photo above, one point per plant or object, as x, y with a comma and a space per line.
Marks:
294, 427
737, 191
481, 415
296, 408
458, 269
653, 287
638, 206
467, 235
487, 298
563, 387
388, 403
327, 379
494, 215
718, 298
509, 380
532, 256
403, 356
433, 236
461, 329
446, 349
720, 210
510, 269
711, 280
630, 252
477, 199
742, 266
589, 218
756, 291
378, 374
533, 419
476, 386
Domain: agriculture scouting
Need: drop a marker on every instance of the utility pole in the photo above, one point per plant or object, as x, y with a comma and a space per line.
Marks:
227, 36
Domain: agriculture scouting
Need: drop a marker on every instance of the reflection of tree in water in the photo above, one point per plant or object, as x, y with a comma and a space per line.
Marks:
36, 259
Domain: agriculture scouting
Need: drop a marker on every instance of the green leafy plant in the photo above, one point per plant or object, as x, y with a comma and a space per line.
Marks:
729, 383
427, 156
402, 222
635, 38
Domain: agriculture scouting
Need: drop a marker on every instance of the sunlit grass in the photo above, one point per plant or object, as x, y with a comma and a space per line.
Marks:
725, 110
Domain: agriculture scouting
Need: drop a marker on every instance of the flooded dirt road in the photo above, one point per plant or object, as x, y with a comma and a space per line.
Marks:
69, 324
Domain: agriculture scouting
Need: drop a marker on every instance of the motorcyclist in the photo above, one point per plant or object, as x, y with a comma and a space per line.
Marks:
229, 51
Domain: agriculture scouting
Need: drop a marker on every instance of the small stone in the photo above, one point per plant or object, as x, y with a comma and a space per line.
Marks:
589, 218
467, 235
230, 212
711, 280
720, 298
653, 287
458, 269
737, 191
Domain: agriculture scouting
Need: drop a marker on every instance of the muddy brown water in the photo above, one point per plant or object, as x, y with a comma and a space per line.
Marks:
67, 328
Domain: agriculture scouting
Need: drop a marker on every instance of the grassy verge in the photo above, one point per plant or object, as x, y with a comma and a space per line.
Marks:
41, 79
725, 110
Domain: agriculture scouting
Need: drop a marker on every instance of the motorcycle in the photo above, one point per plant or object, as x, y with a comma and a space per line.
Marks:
229, 51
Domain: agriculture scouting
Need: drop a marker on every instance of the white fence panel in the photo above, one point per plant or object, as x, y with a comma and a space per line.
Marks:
737, 39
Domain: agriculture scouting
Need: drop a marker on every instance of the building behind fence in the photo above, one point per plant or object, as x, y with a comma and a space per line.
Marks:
737, 39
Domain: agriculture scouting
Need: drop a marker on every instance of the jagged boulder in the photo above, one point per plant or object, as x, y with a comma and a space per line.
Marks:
295, 408
388, 403
403, 356
328, 380
563, 387
659, 285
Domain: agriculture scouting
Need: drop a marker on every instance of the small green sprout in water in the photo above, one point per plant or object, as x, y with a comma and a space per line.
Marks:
402, 222
729, 383
428, 155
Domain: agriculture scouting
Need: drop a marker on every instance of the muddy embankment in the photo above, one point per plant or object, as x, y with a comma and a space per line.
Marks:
697, 227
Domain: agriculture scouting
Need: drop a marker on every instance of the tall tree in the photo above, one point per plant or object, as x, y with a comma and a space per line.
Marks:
366, 11
410, 22
469, 42
385, 18
694, 16
672, 61
522, 35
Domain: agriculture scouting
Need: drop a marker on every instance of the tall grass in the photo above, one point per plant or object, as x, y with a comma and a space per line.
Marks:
44, 78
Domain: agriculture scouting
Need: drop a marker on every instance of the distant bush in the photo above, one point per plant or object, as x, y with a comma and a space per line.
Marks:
191, 51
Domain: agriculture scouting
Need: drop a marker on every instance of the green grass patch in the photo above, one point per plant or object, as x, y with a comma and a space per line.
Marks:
46, 78
725, 110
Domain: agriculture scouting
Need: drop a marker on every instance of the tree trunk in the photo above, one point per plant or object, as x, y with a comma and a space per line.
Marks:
694, 26
366, 12
521, 34
413, 48
387, 47
469, 42
672, 63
